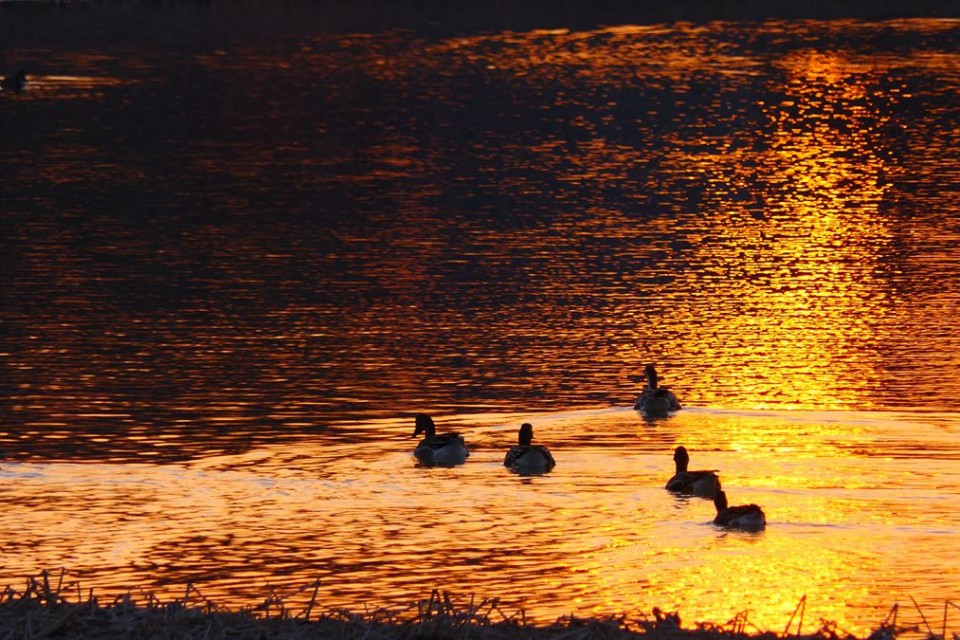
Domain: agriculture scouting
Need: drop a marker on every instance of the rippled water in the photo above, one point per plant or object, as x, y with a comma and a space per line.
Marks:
863, 512
232, 275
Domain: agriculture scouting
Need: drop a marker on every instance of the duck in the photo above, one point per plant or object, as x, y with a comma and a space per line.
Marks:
748, 517
16, 83
527, 458
438, 450
705, 484
656, 401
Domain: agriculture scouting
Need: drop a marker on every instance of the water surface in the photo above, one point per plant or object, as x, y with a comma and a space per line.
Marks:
863, 512
232, 274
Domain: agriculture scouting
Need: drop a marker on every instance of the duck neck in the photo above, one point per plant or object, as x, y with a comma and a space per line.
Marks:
526, 435
720, 501
425, 425
652, 379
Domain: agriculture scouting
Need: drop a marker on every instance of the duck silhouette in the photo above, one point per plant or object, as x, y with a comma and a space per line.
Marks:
527, 458
438, 450
748, 517
16, 83
656, 401
705, 484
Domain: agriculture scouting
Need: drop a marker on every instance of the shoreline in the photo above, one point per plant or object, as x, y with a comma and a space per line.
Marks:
49, 608
195, 24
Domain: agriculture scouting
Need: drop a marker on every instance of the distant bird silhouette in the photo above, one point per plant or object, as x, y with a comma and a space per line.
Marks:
527, 458
15, 83
749, 517
655, 401
705, 484
438, 450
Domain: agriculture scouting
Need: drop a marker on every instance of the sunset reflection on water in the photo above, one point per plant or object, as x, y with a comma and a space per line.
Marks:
219, 321
808, 252
598, 535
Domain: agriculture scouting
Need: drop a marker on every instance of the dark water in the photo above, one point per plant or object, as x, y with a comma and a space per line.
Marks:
302, 232
250, 258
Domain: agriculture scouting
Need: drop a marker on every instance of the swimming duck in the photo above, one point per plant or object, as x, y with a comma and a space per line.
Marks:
443, 450
15, 83
705, 484
526, 458
655, 401
749, 517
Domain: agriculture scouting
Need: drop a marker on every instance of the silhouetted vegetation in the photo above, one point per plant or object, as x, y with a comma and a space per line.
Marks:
48, 607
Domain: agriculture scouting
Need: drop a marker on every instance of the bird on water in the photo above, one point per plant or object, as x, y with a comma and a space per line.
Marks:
527, 458
16, 83
435, 449
656, 401
748, 517
702, 483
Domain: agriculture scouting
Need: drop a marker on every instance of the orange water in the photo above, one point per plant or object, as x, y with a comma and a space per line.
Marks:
863, 512
232, 274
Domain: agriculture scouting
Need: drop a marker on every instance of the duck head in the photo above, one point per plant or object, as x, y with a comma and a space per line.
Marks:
526, 434
682, 458
424, 425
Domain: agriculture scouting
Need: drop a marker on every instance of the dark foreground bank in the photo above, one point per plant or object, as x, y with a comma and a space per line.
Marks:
47, 608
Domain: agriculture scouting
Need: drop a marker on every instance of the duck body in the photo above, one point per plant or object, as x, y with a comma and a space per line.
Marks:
748, 517
656, 401
659, 404
527, 458
530, 460
703, 483
438, 450
16, 83
698, 483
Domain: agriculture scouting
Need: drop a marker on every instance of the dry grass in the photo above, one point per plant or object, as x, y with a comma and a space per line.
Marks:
50, 608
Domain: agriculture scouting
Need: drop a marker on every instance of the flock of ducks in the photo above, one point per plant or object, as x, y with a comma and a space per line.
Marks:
526, 458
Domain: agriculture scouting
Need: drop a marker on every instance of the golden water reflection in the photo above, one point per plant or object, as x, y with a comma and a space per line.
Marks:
214, 324
514, 220
853, 523
808, 260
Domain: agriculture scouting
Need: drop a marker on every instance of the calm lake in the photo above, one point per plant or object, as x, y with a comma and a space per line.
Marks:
233, 270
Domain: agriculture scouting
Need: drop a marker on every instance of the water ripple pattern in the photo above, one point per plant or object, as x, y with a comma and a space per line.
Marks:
231, 275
